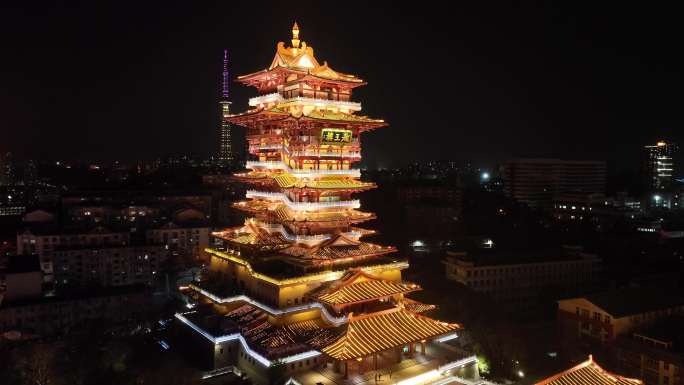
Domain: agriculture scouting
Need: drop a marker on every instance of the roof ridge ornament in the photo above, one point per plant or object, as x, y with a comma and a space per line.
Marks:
295, 36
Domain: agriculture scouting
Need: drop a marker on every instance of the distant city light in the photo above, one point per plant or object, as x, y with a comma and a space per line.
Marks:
485, 176
657, 198
418, 243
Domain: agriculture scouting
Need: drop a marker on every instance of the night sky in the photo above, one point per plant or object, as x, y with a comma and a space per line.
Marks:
141, 79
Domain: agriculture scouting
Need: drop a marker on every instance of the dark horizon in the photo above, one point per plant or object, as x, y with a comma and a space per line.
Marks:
103, 82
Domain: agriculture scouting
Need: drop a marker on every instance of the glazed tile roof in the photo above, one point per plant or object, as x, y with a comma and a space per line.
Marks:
274, 341
253, 238
287, 180
259, 240
301, 58
283, 113
588, 373
344, 215
363, 249
365, 291
384, 330
328, 115
417, 306
254, 205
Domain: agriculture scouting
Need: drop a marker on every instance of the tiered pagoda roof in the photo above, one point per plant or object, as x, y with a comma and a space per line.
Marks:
333, 251
299, 59
278, 340
287, 180
588, 373
416, 306
377, 332
278, 113
352, 215
360, 287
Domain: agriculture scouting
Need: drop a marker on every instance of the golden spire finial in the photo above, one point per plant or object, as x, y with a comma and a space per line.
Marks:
295, 35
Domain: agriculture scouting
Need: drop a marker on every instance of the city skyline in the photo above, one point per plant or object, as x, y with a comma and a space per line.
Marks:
517, 81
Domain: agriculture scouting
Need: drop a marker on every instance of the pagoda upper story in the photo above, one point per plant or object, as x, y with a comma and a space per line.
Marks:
297, 86
295, 72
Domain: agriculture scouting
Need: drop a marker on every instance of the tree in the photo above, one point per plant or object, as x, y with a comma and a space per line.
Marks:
37, 364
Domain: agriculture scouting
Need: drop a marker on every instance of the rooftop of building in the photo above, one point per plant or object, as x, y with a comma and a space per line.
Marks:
358, 286
588, 373
125, 192
261, 334
138, 244
636, 300
300, 58
18, 264
110, 228
77, 294
384, 330
668, 331
556, 160
284, 267
483, 256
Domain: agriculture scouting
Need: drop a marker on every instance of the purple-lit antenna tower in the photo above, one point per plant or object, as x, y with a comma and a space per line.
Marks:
226, 78
225, 154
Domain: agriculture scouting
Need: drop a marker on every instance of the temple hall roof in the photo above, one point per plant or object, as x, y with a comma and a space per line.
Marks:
351, 215
284, 113
330, 251
588, 373
287, 180
362, 287
384, 330
417, 306
299, 57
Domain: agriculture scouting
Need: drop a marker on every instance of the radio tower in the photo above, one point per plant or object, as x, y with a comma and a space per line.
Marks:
225, 154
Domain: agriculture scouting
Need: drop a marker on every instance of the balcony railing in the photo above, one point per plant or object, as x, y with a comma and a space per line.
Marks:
278, 165
316, 102
330, 154
303, 206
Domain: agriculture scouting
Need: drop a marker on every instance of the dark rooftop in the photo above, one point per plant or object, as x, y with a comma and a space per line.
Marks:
82, 294
670, 329
636, 300
494, 256
22, 264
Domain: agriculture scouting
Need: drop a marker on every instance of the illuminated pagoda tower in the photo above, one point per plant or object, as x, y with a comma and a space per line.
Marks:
225, 155
297, 286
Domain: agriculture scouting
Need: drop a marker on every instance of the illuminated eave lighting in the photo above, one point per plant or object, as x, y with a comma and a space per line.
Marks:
237, 336
302, 206
277, 165
337, 321
276, 98
325, 276
447, 337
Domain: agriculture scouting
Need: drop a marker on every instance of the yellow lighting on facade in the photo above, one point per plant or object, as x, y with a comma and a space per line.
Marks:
325, 276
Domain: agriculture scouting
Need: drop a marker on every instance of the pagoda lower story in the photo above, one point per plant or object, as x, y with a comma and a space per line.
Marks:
296, 292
